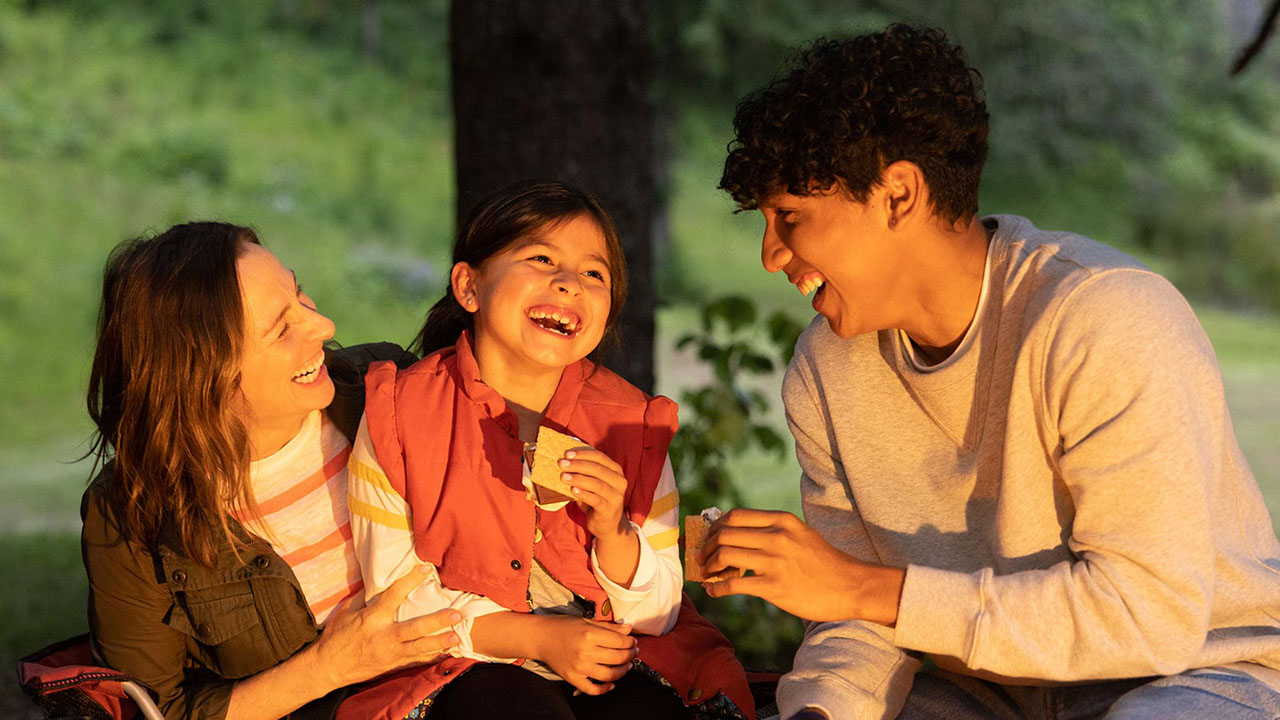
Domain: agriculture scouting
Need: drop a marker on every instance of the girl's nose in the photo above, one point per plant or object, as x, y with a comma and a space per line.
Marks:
567, 282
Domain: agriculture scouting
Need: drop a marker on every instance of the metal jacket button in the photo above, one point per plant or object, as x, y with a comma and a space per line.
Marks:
204, 630
695, 693
179, 576
262, 561
515, 564
606, 608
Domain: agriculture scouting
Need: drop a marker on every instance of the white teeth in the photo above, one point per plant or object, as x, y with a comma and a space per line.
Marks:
808, 285
308, 374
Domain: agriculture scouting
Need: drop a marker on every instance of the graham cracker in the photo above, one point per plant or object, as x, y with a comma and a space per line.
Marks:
695, 533
545, 473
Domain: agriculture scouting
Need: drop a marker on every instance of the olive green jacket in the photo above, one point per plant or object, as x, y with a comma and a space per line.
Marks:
189, 632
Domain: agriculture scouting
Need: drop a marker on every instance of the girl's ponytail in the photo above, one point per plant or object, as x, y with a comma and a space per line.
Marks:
444, 324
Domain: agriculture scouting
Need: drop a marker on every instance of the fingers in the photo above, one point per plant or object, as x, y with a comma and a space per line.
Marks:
723, 558
429, 624
749, 517
595, 457
623, 629
432, 645
750, 538
395, 594
756, 585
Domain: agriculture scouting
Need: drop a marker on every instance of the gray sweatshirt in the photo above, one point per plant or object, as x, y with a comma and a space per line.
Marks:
1066, 491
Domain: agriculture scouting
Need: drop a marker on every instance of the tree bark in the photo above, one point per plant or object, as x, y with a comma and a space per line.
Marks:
560, 91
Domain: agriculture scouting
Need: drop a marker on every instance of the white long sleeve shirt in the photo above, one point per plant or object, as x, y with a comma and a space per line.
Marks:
381, 525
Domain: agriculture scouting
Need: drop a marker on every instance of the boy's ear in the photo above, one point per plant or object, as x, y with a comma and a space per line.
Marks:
905, 189
462, 279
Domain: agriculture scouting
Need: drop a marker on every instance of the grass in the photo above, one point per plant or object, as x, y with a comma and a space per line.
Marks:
346, 172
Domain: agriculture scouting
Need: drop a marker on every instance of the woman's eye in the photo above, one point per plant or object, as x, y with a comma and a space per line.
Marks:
284, 330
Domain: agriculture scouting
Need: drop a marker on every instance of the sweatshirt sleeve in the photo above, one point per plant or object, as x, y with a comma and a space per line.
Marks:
1132, 391
850, 669
382, 532
652, 602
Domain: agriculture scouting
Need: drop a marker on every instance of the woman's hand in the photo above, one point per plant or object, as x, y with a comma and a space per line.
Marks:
797, 570
359, 644
601, 490
588, 654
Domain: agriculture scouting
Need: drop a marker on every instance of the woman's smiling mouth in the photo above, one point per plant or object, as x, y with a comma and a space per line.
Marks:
311, 373
556, 320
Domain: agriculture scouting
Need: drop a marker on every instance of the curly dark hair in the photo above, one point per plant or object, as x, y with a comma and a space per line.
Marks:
849, 108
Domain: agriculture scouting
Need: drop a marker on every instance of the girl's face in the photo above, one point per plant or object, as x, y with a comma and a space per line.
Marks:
282, 373
543, 303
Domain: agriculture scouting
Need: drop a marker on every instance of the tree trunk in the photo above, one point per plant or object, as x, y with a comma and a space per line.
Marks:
560, 92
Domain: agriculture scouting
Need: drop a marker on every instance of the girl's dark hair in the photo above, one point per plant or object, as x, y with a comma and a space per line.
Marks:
162, 387
499, 221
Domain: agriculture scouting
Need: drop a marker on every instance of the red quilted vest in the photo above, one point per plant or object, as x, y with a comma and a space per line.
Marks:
448, 444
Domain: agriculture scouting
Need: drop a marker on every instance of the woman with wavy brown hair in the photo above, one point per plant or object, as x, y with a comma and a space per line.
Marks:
216, 539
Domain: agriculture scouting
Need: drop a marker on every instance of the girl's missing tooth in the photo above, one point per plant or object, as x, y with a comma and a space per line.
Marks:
573, 607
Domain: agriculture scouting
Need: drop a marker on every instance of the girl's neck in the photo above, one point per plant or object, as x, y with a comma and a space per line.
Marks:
527, 390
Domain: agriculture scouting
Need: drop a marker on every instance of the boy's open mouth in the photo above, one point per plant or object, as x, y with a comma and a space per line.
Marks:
558, 320
809, 282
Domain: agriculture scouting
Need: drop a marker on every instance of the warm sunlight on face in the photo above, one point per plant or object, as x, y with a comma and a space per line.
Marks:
282, 374
543, 303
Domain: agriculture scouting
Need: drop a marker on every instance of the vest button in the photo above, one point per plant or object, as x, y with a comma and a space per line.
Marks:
262, 561
606, 608
695, 693
515, 564
204, 630
179, 576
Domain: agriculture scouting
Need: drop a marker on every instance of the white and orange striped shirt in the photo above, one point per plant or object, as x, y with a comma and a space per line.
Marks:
301, 492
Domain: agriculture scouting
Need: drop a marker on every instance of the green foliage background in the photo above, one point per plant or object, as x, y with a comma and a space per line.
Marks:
1116, 120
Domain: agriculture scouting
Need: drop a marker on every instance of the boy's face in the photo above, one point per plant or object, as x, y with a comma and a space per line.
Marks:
842, 248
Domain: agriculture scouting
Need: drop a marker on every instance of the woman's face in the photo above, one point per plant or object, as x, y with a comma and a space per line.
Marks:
282, 373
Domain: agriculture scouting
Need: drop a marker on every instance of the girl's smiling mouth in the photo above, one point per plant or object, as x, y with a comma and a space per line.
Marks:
554, 319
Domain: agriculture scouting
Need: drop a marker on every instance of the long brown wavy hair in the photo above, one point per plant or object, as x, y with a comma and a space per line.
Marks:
163, 385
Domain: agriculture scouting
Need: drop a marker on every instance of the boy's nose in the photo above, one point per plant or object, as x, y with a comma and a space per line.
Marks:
773, 254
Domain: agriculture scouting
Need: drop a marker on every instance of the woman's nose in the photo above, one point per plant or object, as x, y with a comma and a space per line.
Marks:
321, 326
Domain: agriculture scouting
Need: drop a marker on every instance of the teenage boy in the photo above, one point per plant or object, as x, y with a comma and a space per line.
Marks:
1017, 457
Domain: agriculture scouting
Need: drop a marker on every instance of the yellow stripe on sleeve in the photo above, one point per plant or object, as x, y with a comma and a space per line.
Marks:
664, 539
377, 515
371, 475
664, 503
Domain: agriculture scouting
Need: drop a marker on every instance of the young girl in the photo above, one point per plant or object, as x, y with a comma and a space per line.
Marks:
550, 594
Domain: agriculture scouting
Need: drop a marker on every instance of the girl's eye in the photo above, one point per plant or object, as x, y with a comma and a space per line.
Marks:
541, 259
595, 274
